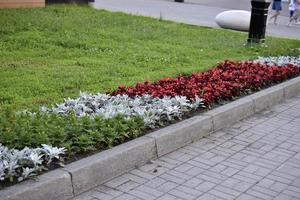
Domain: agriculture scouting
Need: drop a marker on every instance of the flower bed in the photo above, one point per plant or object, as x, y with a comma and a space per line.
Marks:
95, 122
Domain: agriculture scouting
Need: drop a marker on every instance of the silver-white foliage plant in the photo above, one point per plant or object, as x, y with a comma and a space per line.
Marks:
21, 164
152, 110
279, 61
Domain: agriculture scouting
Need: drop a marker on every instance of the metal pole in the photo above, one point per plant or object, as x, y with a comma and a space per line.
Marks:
258, 22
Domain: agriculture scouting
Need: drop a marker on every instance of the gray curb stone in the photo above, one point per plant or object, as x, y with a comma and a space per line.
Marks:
53, 185
226, 115
180, 134
268, 98
85, 174
94, 170
291, 88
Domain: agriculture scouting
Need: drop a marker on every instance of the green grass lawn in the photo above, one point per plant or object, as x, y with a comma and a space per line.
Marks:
52, 53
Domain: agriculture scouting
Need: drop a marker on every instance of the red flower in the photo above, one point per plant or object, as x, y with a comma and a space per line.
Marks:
227, 80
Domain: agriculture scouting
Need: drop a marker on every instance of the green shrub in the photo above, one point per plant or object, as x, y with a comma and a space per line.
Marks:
77, 135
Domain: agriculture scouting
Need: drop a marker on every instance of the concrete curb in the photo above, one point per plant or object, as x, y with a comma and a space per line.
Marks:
96, 169
56, 184
89, 172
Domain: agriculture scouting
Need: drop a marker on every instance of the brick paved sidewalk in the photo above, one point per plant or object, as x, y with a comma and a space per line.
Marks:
257, 158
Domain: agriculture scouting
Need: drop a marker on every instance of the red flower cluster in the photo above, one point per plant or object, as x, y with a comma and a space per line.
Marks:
229, 79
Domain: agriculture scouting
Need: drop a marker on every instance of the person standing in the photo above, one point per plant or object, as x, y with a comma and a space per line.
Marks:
291, 8
277, 7
296, 15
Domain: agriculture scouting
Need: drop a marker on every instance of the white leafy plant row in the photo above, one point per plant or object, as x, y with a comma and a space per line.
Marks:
152, 110
279, 61
22, 164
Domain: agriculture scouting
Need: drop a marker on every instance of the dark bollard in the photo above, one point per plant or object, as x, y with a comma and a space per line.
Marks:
258, 22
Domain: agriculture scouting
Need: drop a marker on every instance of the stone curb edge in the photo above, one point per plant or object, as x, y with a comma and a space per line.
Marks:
87, 173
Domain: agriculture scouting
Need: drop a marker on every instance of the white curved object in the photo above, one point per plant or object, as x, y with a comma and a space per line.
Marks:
234, 19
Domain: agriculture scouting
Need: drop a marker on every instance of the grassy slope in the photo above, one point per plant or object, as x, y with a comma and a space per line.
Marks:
53, 53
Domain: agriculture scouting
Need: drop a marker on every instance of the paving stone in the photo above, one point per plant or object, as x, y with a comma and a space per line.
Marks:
227, 190
245, 179
167, 197
206, 186
246, 197
192, 183
249, 176
189, 190
198, 164
230, 182
116, 182
262, 172
170, 161
149, 190
218, 168
125, 196
188, 151
284, 175
142, 174
156, 182
251, 168
277, 186
84, 196
243, 186
180, 175
283, 196
193, 149
164, 163
101, 195
294, 188
195, 171
217, 159
183, 168
265, 183
222, 194
209, 178
237, 162
291, 193
229, 163
259, 194
279, 179
207, 196
127, 186
229, 171
166, 187
180, 194
141, 194
134, 178
107, 190
148, 167
265, 191
222, 151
